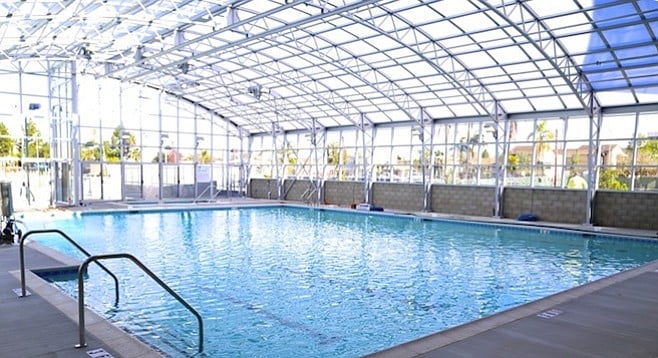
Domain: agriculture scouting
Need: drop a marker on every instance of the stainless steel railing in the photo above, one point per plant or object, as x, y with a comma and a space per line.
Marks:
81, 295
69, 239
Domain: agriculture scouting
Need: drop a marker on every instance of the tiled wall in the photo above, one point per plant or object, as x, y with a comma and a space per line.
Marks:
463, 200
554, 205
398, 196
637, 210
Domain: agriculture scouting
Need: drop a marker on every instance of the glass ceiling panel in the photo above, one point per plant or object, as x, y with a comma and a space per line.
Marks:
464, 110
441, 29
517, 105
300, 50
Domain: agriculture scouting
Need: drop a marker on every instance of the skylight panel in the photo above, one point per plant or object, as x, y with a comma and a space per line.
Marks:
647, 95
569, 24
571, 101
358, 48
614, 15
276, 52
516, 105
378, 57
451, 8
580, 43
441, 29
438, 81
489, 74
476, 59
379, 117
338, 36
285, 15
463, 110
627, 35
473, 22
418, 14
459, 44
438, 111
492, 35
453, 98
396, 115
247, 73
347, 92
304, 60
420, 69
637, 56
423, 96
396, 73
608, 80
537, 91
644, 76
360, 31
399, 54
616, 98
332, 83
351, 80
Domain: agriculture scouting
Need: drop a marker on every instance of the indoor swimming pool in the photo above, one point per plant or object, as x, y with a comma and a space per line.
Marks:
288, 281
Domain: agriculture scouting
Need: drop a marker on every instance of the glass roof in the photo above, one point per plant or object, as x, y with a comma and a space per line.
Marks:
324, 63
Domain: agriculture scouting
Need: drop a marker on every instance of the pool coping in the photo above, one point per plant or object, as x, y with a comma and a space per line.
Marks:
119, 340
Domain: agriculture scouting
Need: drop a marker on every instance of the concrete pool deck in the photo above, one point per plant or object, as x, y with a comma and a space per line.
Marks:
612, 317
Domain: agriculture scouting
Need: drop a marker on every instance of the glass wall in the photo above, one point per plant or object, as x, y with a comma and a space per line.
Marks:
137, 143
541, 152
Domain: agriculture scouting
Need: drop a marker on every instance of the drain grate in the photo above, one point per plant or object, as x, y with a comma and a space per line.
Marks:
550, 313
99, 353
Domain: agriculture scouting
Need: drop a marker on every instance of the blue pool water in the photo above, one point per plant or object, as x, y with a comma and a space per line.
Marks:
284, 282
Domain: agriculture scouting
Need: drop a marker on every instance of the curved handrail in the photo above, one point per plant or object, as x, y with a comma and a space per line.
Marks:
81, 294
57, 231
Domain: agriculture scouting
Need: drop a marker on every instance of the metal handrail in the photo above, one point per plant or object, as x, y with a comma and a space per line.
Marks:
202, 193
57, 231
81, 294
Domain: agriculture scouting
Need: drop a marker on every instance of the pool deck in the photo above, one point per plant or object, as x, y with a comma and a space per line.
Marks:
613, 317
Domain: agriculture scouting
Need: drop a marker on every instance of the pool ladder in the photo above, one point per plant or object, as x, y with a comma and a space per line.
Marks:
83, 268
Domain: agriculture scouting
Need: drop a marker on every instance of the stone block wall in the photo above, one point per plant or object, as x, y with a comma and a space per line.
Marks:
554, 205
398, 196
296, 189
462, 200
638, 210
344, 193
263, 189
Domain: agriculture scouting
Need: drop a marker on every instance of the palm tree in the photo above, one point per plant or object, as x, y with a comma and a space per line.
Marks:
541, 137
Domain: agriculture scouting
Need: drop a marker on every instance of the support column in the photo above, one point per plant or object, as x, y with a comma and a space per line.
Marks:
244, 167
367, 148
75, 136
279, 177
634, 156
424, 135
161, 155
316, 180
122, 145
565, 128
500, 132
594, 150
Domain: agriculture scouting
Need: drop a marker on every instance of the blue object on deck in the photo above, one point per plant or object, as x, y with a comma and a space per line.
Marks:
527, 217
368, 207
